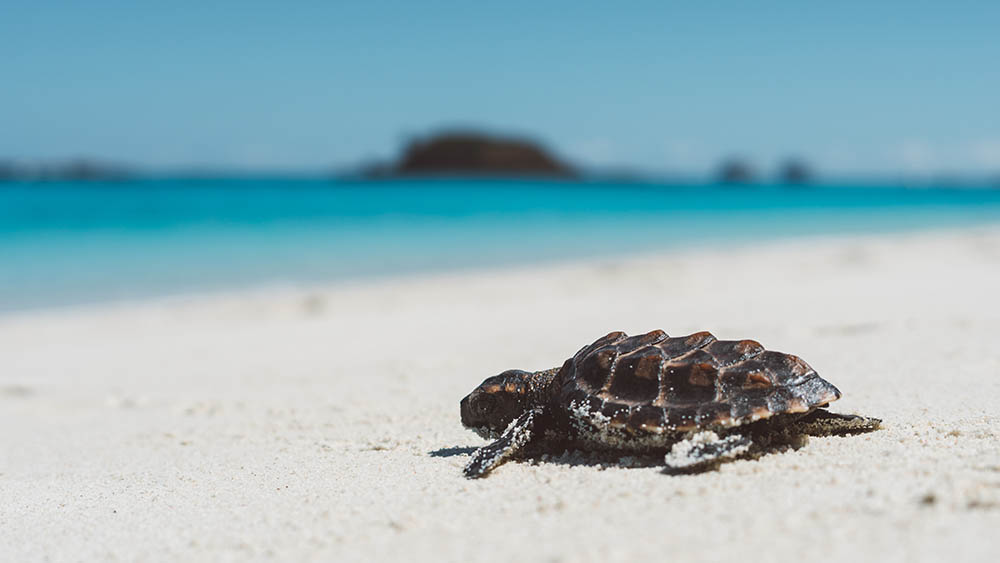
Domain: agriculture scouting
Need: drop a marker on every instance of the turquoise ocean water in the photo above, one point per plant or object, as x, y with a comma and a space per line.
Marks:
71, 243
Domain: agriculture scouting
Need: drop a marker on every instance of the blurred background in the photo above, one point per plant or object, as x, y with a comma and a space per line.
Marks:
151, 149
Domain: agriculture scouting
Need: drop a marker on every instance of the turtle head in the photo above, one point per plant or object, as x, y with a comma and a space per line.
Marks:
491, 407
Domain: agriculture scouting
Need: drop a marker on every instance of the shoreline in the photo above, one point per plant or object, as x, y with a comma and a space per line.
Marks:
322, 423
74, 246
290, 288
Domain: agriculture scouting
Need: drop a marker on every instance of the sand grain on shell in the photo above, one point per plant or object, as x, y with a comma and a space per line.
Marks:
323, 423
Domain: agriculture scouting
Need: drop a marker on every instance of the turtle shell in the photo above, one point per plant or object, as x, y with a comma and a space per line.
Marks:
652, 383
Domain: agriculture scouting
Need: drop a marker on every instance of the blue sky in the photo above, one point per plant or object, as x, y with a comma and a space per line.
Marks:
854, 87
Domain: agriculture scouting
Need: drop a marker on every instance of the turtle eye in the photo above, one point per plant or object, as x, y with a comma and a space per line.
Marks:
485, 404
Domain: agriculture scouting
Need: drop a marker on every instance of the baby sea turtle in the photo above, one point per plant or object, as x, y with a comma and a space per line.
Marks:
698, 399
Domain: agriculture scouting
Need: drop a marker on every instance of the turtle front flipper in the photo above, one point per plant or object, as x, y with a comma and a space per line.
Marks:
703, 450
522, 431
821, 422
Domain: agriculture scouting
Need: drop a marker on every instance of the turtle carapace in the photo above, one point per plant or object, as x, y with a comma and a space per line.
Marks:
696, 399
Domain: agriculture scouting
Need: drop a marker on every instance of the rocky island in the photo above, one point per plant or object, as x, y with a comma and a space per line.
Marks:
473, 153
78, 170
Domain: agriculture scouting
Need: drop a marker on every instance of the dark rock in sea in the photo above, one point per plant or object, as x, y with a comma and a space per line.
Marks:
90, 170
478, 154
795, 171
8, 171
736, 171
72, 171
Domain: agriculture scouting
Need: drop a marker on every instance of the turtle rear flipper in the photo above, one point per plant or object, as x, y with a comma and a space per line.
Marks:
513, 440
822, 422
704, 450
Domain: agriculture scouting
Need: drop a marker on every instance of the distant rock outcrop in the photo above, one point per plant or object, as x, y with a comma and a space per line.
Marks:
71, 171
795, 171
8, 171
475, 154
736, 171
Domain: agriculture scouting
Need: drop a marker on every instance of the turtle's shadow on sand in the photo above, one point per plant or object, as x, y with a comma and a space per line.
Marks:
613, 460
452, 451
568, 457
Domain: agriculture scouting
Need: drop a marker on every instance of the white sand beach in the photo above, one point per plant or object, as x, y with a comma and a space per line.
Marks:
322, 423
